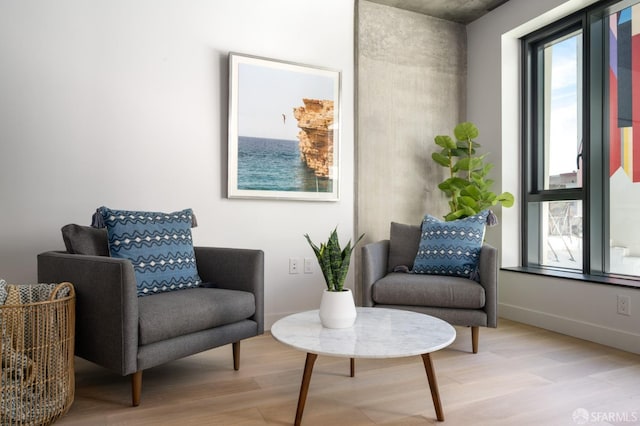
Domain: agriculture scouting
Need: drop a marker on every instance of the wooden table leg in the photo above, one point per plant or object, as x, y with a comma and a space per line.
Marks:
353, 367
433, 385
236, 355
304, 387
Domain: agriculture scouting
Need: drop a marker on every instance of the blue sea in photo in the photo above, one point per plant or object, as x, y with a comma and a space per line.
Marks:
275, 165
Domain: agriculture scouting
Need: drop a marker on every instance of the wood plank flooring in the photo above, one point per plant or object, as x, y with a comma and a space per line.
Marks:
522, 375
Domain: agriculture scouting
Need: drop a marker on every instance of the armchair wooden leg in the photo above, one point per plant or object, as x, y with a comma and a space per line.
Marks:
236, 355
475, 331
136, 388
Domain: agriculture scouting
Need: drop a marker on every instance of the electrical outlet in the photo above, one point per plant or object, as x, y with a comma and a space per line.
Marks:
623, 305
308, 265
294, 265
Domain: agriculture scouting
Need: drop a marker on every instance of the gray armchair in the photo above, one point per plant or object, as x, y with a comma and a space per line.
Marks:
128, 334
459, 301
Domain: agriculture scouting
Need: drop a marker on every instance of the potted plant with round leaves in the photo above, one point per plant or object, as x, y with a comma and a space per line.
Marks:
337, 307
467, 187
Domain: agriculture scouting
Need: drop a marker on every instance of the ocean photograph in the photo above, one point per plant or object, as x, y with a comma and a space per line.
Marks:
266, 164
283, 138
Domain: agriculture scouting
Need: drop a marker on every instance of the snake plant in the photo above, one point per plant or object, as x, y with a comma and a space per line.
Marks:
333, 260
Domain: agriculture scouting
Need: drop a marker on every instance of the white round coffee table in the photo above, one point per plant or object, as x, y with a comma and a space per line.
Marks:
377, 333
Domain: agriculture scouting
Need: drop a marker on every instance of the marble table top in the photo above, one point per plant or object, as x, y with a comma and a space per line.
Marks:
377, 333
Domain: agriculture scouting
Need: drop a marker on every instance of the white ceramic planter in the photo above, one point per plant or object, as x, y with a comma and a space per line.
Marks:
337, 309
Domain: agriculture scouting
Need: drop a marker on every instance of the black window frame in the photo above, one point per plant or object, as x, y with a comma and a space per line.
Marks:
594, 192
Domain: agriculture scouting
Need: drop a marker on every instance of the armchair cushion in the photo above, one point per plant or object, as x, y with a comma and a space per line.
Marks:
451, 248
174, 314
437, 291
86, 240
403, 245
159, 245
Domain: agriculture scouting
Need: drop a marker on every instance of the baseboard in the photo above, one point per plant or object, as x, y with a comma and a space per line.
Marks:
618, 339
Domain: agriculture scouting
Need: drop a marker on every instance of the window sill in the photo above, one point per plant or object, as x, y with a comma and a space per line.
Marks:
556, 273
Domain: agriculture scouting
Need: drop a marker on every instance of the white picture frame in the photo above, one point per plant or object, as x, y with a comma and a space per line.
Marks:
284, 132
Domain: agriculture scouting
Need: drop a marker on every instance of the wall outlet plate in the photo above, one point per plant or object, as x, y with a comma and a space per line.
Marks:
294, 265
308, 265
623, 305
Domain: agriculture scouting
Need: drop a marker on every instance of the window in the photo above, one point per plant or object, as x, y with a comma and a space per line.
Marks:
581, 127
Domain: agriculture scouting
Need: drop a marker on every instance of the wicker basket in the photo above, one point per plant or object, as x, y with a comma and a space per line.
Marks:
37, 381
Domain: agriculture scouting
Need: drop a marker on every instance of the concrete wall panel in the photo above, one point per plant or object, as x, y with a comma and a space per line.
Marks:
411, 87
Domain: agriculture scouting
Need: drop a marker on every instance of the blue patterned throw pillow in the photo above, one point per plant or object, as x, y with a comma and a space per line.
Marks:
159, 245
451, 248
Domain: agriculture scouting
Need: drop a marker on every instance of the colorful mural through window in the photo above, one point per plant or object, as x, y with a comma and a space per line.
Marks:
624, 92
623, 101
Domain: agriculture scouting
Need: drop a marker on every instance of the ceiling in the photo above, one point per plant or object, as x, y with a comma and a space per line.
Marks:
462, 11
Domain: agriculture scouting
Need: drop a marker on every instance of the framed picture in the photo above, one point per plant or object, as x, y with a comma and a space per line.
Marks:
283, 130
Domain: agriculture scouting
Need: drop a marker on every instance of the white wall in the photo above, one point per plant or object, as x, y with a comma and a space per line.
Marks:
576, 308
124, 104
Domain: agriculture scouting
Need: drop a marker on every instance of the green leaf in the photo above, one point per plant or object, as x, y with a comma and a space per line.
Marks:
465, 131
466, 201
346, 259
322, 254
475, 163
458, 182
477, 174
445, 142
335, 256
441, 159
490, 197
454, 215
468, 211
445, 186
479, 180
460, 152
464, 151
473, 191
463, 164
506, 198
315, 248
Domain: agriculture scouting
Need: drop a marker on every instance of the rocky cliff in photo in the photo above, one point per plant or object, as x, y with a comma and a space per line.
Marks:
315, 120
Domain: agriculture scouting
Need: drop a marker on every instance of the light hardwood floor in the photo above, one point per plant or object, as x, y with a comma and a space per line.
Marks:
522, 375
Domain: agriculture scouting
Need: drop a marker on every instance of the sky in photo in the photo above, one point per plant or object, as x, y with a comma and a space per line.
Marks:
265, 94
564, 106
